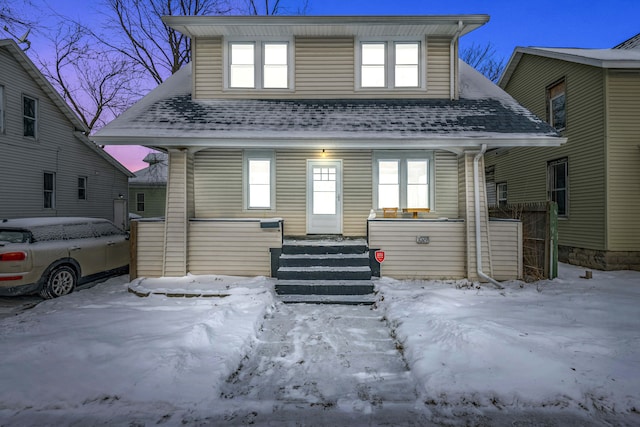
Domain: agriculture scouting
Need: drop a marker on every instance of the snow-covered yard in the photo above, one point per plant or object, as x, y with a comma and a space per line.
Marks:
561, 352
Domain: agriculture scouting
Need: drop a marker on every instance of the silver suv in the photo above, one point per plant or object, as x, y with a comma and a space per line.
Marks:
53, 255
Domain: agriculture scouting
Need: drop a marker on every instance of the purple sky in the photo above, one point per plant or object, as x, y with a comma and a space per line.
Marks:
545, 23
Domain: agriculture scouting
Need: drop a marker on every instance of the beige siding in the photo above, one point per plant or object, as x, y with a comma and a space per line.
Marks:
443, 258
178, 191
150, 248
506, 249
525, 170
623, 161
237, 248
324, 68
446, 185
56, 150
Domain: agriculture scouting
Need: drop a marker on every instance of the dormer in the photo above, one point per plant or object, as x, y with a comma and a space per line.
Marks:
319, 57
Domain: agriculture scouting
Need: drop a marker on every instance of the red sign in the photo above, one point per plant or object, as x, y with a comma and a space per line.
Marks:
380, 256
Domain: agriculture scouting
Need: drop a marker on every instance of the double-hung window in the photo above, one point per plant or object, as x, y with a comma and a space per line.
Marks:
259, 65
49, 190
558, 185
82, 188
140, 202
402, 180
501, 191
390, 64
29, 116
259, 179
556, 105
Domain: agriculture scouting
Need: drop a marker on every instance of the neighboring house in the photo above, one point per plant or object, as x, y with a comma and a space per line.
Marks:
299, 126
49, 166
591, 96
148, 188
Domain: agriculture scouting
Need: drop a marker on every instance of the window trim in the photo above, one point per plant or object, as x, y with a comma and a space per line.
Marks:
549, 102
2, 109
35, 118
52, 191
403, 157
258, 63
138, 202
390, 63
550, 190
500, 201
84, 187
249, 155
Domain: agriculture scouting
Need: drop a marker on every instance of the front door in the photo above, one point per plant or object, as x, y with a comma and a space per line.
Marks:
324, 196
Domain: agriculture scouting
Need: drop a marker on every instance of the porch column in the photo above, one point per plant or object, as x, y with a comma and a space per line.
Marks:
179, 208
467, 211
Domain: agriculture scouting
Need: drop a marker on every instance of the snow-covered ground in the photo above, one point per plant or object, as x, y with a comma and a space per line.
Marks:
561, 352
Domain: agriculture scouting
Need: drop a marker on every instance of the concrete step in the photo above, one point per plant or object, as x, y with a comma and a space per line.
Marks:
320, 249
324, 287
325, 260
324, 273
368, 299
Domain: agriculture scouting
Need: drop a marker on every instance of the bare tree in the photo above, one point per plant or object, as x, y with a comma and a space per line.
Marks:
97, 85
483, 59
275, 7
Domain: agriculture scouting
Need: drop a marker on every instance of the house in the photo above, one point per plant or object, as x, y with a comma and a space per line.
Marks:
148, 188
592, 97
49, 166
286, 128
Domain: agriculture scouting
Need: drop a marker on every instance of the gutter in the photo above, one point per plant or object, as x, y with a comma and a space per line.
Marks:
476, 196
453, 60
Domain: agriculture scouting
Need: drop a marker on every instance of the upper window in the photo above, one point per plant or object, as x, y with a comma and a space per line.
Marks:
140, 202
82, 188
29, 116
1, 109
403, 181
259, 178
556, 105
501, 192
390, 64
558, 185
262, 65
49, 190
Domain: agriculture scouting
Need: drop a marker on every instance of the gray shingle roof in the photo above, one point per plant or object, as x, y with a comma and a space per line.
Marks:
370, 117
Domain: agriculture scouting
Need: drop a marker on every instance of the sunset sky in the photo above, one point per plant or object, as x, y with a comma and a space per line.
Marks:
545, 23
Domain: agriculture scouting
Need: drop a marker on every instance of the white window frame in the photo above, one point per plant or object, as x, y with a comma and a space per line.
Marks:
51, 191
556, 91
551, 188
83, 183
34, 118
258, 63
264, 155
2, 109
403, 157
501, 190
140, 201
390, 63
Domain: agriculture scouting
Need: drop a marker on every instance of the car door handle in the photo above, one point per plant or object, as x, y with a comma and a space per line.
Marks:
75, 248
111, 244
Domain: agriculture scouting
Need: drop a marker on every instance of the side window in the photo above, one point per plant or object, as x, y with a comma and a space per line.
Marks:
501, 191
556, 105
140, 202
106, 229
558, 185
259, 179
49, 190
78, 231
47, 233
82, 188
29, 116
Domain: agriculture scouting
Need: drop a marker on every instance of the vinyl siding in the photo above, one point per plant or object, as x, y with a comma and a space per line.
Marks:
443, 258
219, 189
506, 249
56, 149
525, 169
150, 248
177, 216
623, 161
236, 248
154, 200
324, 68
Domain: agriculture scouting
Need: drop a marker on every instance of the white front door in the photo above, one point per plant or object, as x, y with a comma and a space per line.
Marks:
324, 196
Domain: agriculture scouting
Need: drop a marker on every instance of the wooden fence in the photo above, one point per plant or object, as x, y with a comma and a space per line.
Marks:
539, 236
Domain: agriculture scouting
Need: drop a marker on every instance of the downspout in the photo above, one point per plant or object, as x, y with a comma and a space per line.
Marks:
476, 197
452, 61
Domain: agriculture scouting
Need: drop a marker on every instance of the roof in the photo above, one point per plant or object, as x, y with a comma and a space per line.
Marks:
632, 43
325, 26
602, 58
154, 174
168, 116
37, 76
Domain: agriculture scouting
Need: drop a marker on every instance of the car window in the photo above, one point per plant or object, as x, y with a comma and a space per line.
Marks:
104, 229
78, 231
14, 236
47, 232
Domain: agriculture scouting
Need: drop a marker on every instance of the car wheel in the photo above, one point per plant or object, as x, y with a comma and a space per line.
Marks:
61, 281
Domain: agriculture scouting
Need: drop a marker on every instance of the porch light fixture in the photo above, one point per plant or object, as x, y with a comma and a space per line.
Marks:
323, 153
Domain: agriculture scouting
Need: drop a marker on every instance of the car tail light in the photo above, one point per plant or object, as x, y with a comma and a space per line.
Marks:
10, 278
13, 256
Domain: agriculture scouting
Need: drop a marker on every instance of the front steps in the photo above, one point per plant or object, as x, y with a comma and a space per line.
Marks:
325, 271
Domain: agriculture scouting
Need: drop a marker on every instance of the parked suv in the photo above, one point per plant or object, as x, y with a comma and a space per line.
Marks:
53, 255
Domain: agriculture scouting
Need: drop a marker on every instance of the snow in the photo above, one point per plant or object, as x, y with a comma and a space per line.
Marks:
560, 352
